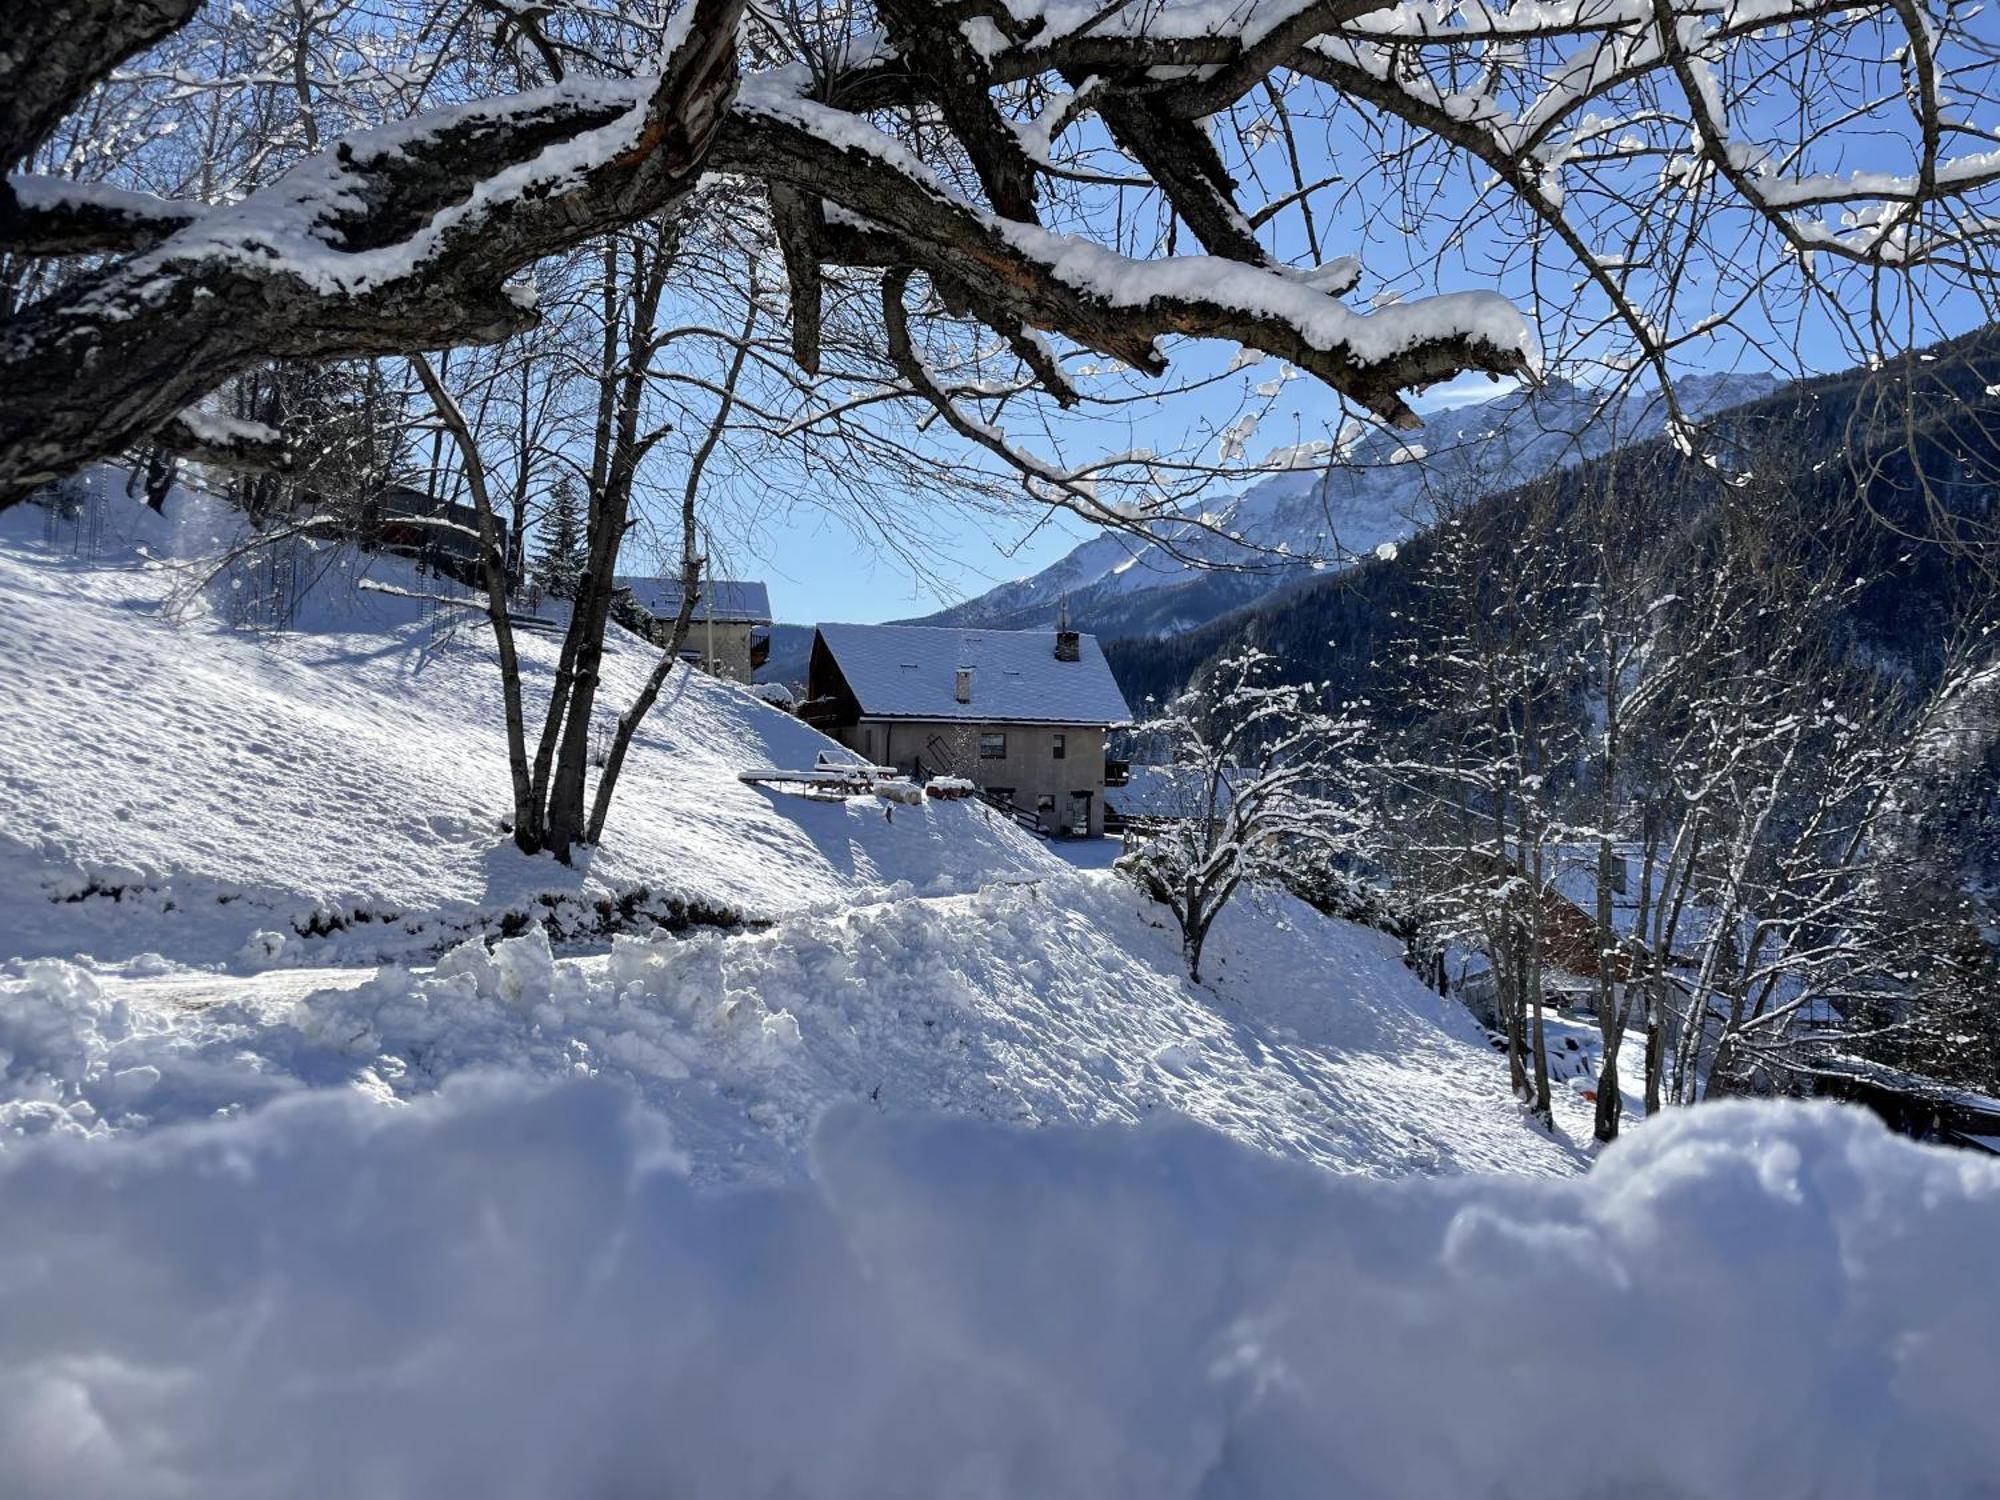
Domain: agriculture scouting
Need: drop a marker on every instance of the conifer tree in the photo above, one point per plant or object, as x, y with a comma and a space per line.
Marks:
560, 562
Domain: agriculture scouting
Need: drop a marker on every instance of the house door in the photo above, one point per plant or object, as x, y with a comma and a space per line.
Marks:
1079, 813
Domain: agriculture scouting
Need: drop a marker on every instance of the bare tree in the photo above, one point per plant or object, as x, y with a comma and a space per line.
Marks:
947, 143
1252, 783
1477, 776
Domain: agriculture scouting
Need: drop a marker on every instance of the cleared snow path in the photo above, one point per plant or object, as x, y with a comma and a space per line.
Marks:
195, 989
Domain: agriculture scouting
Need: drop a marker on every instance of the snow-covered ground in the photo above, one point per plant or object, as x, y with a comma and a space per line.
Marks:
224, 783
942, 1182
502, 1292
231, 785
1053, 1002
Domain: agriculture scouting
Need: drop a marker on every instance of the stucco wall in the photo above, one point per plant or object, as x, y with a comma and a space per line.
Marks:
1029, 768
730, 643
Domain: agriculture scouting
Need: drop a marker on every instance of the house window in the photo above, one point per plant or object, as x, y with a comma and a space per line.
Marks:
1057, 745
993, 747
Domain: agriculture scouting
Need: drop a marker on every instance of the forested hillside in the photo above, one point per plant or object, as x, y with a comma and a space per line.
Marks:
1837, 441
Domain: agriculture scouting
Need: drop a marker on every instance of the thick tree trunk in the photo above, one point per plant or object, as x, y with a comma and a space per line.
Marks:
1610, 1102
1192, 942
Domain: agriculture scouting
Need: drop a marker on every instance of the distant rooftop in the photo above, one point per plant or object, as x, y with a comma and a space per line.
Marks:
911, 672
723, 600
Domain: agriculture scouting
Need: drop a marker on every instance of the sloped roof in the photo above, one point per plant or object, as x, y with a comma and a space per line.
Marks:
911, 672
720, 599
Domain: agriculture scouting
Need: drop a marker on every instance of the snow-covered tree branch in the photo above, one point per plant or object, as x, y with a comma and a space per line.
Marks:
1252, 782
999, 151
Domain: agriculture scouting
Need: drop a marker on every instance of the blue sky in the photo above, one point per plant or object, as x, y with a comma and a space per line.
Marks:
818, 570
1421, 224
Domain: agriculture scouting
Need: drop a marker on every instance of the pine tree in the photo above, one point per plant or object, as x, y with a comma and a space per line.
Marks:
560, 563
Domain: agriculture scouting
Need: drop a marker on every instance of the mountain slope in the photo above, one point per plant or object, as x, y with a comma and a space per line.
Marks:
1813, 436
1380, 495
331, 794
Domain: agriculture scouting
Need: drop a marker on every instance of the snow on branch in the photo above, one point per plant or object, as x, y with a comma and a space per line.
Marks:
396, 239
227, 442
44, 216
899, 213
906, 136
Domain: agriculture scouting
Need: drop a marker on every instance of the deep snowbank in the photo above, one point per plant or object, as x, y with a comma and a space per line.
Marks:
502, 1293
1053, 1003
181, 787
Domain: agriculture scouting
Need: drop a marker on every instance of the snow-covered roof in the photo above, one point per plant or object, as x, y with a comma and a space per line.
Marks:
719, 599
911, 672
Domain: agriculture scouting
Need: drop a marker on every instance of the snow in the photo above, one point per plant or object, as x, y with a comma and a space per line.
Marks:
505, 1291
911, 672
55, 194
1483, 318
1032, 1003
223, 429
1335, 511
946, 1182
297, 222
194, 796
1168, 792
355, 764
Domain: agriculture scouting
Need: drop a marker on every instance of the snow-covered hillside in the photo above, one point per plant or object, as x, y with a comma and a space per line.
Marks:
1378, 494
1059, 1001
189, 795
945, 1182
181, 787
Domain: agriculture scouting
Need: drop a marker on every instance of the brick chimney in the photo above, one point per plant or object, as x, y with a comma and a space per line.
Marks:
963, 688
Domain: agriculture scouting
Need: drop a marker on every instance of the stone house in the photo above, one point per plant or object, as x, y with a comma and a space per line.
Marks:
1020, 713
728, 634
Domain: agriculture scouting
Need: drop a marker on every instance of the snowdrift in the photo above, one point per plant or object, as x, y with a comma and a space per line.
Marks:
506, 1292
181, 787
1052, 1003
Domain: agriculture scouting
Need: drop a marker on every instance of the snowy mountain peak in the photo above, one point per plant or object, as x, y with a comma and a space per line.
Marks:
1380, 493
